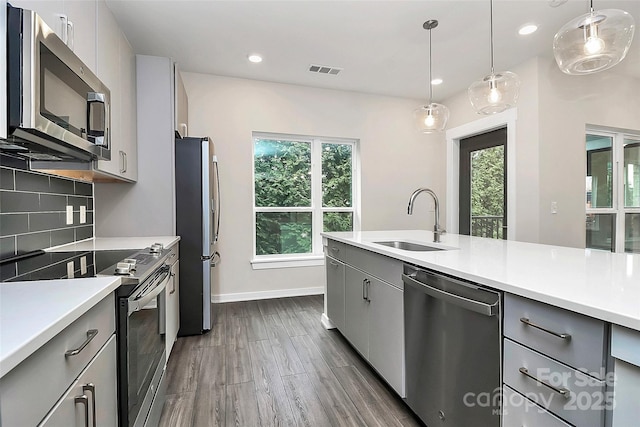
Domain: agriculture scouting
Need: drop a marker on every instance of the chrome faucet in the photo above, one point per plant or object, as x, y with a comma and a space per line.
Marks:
437, 231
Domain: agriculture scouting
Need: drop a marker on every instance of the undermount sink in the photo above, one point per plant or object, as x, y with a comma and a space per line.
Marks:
408, 246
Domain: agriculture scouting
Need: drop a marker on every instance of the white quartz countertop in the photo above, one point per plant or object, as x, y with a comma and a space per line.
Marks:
596, 283
31, 313
113, 243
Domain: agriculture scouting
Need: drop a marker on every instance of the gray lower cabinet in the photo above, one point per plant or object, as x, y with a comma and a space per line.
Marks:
625, 349
373, 323
386, 332
335, 291
91, 400
356, 310
79, 361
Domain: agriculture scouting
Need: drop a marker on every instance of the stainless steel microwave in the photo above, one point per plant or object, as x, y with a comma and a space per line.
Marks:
57, 109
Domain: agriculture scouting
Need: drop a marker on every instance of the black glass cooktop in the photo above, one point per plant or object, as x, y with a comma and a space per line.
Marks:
40, 265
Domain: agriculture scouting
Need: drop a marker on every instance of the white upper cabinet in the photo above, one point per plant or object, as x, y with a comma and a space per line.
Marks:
73, 21
181, 105
116, 68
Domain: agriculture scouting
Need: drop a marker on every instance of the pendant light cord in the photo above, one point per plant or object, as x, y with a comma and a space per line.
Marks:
430, 85
491, 25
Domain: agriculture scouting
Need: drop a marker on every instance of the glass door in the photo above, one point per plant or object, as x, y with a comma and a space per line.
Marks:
483, 185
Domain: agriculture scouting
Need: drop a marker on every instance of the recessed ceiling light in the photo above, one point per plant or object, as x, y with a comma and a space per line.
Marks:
436, 82
255, 58
527, 29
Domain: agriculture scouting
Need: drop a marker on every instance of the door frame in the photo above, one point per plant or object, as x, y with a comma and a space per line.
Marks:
506, 119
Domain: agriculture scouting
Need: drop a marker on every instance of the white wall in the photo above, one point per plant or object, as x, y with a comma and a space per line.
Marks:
395, 159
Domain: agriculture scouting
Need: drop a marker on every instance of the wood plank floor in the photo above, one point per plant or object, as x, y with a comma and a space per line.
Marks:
271, 363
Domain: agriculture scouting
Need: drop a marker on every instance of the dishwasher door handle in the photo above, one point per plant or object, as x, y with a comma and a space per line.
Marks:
466, 303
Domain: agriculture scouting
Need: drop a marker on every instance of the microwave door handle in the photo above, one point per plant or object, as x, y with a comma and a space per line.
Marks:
137, 304
97, 100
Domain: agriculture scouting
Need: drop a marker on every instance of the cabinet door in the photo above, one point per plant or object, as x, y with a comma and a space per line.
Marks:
82, 30
356, 310
335, 292
108, 71
386, 333
173, 308
98, 383
182, 107
51, 11
128, 110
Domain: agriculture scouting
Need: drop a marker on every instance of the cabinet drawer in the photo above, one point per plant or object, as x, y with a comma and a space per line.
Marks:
98, 383
380, 266
336, 249
586, 347
31, 389
585, 399
519, 411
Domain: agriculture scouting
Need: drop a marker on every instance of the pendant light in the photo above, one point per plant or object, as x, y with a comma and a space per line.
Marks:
496, 92
432, 117
593, 42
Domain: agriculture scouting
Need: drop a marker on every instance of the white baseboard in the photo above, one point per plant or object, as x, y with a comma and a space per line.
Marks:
326, 322
281, 293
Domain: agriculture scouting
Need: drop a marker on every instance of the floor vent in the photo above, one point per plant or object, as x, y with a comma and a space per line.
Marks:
324, 69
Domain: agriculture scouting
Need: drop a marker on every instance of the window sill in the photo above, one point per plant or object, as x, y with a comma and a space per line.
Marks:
307, 261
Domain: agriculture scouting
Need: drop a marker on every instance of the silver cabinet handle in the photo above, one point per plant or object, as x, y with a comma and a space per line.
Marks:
364, 285
122, 168
555, 334
335, 264
91, 334
561, 391
72, 31
85, 401
92, 388
368, 287
335, 249
126, 165
64, 24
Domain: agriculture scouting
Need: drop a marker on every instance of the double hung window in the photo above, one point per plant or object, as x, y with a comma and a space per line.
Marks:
302, 186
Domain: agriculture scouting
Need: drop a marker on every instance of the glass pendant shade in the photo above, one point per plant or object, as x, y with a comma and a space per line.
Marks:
431, 118
494, 93
593, 42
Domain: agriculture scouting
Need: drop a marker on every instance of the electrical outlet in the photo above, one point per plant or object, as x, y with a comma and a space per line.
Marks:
554, 207
69, 214
70, 270
83, 264
83, 214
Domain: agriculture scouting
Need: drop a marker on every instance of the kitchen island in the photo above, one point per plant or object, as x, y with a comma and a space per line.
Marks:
596, 283
565, 313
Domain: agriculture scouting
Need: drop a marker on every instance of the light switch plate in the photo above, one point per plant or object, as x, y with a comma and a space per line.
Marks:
70, 270
69, 214
83, 214
554, 207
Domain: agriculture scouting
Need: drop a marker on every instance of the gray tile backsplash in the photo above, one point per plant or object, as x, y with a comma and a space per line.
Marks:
33, 211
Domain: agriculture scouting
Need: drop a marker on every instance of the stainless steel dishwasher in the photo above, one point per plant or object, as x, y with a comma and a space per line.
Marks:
452, 350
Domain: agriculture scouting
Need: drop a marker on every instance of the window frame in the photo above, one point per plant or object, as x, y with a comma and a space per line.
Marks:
618, 208
316, 256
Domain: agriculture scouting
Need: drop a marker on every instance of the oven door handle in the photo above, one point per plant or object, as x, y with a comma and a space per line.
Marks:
137, 304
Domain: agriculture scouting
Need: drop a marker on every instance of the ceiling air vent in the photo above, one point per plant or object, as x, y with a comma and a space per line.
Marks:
324, 69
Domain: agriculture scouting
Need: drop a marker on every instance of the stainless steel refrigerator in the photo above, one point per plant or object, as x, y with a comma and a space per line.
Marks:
198, 224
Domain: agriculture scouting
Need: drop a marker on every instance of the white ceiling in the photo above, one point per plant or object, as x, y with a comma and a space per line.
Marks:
380, 44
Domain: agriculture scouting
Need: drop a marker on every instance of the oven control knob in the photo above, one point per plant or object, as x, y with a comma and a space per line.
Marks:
156, 248
123, 268
132, 263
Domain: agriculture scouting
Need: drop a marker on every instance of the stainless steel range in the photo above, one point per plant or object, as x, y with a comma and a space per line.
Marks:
140, 315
